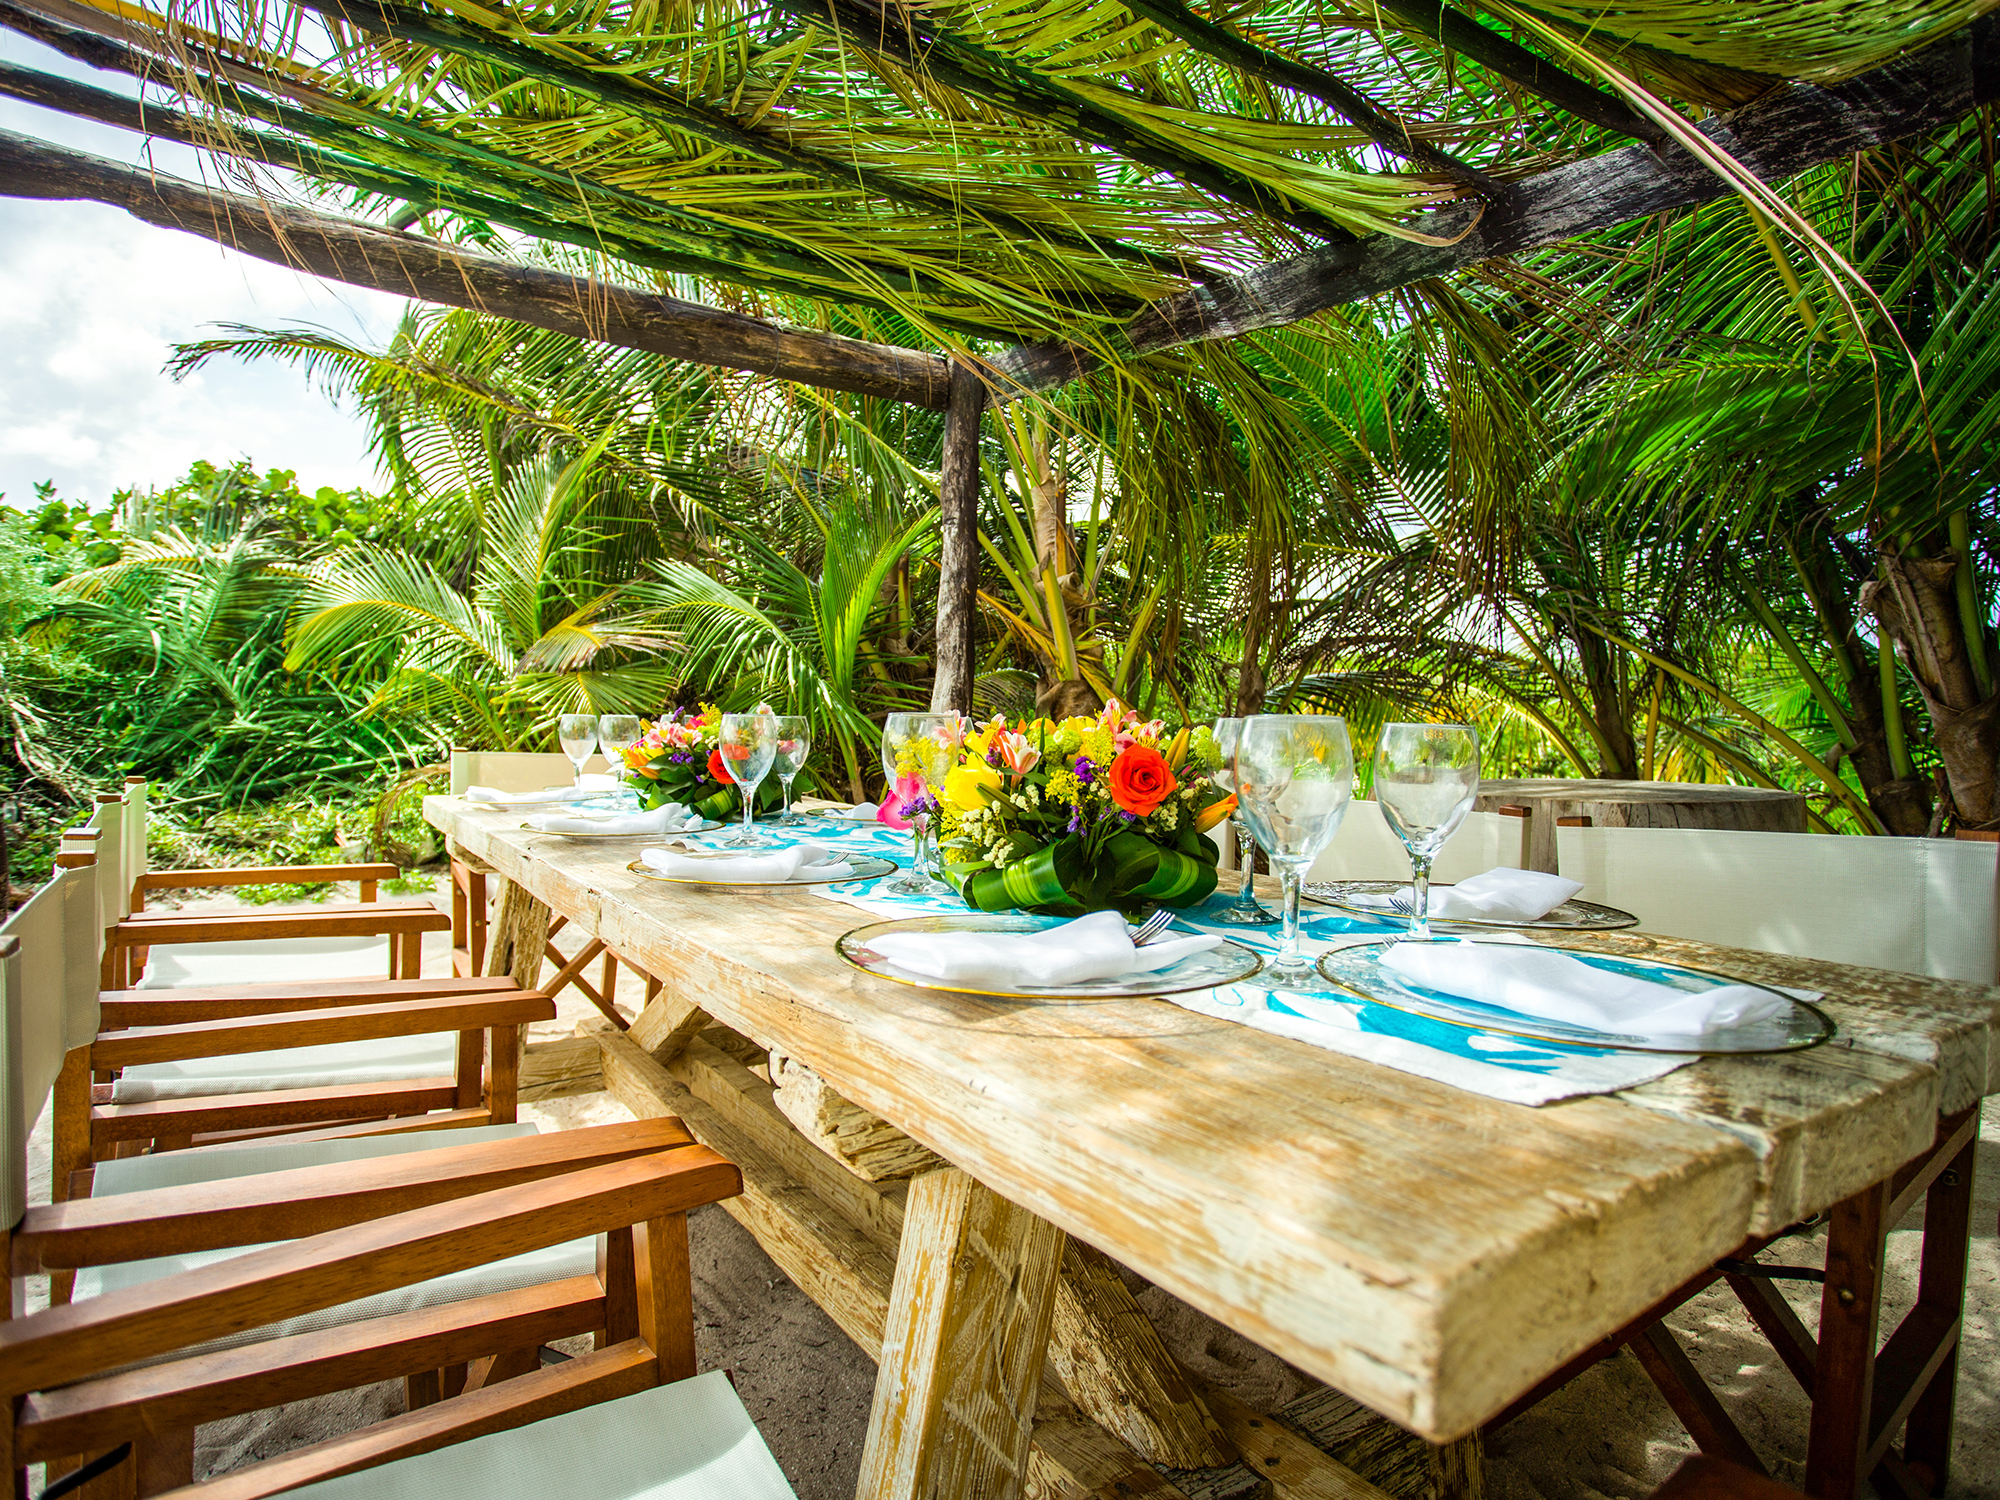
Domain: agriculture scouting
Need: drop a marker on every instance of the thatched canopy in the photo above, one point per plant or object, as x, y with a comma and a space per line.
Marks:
952, 175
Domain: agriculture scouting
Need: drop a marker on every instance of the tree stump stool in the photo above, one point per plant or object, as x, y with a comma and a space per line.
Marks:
1641, 804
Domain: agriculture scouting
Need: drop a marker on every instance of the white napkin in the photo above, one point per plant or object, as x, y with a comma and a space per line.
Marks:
865, 813
1534, 981
1098, 946
592, 785
799, 862
668, 817
1500, 895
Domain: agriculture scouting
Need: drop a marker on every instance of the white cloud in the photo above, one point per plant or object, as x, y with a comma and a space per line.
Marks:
91, 303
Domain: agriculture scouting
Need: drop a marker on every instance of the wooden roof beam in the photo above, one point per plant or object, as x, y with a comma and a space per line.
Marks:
407, 265
1785, 133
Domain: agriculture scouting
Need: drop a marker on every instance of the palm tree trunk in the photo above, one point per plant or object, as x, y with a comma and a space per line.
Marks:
1917, 605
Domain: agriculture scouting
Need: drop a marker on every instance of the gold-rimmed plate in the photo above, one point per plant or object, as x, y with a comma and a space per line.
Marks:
707, 825
1231, 963
859, 867
1378, 898
1357, 968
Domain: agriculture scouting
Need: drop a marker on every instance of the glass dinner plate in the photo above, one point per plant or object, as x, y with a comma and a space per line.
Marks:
860, 867
1231, 963
707, 825
1358, 968
1571, 916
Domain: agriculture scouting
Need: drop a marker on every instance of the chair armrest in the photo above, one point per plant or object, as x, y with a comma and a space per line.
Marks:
303, 1201
180, 880
315, 1028
70, 1343
371, 919
219, 1002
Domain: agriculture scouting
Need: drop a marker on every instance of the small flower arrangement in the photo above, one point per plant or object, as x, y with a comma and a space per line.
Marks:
679, 759
1082, 815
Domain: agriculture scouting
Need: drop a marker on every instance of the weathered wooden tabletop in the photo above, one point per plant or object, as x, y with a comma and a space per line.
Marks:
1428, 1251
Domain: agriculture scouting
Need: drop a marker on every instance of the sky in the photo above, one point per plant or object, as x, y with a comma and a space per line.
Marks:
92, 302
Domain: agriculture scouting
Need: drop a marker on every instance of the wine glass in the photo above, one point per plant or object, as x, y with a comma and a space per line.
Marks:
1294, 775
578, 733
616, 733
1426, 777
920, 746
794, 744
1245, 910
748, 743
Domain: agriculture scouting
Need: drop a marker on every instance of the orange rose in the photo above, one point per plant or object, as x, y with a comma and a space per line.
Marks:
1141, 779
716, 770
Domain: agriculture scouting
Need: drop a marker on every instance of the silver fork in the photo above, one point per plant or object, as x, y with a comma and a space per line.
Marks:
1152, 927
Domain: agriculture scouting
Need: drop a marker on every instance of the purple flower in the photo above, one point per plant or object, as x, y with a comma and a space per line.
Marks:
1076, 823
1125, 817
1086, 773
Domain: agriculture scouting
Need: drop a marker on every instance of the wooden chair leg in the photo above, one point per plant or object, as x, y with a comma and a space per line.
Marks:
421, 1389
503, 1075
664, 1280
475, 899
164, 1461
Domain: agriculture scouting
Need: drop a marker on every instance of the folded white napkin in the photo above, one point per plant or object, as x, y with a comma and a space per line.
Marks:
1500, 895
668, 817
865, 813
593, 785
1098, 946
799, 862
1556, 987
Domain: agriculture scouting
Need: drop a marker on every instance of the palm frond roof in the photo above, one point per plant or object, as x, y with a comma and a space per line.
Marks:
1004, 169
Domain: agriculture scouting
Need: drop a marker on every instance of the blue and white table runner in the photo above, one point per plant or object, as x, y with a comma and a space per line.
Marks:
1499, 1067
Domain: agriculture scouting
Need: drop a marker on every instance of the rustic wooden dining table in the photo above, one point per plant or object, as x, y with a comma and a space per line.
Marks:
1432, 1253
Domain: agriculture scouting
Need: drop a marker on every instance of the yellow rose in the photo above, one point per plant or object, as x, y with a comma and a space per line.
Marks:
962, 785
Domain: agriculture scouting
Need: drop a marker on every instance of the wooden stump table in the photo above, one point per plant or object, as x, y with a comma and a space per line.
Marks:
1431, 1253
1640, 804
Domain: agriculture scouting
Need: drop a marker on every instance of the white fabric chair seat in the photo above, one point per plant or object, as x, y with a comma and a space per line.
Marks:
266, 961
389, 1059
691, 1440
184, 1168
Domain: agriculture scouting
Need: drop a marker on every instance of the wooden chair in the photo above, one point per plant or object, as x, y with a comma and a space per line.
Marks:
180, 1068
1705, 1478
1923, 906
118, 830
185, 1313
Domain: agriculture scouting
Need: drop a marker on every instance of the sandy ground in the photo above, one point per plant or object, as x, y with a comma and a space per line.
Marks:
1608, 1434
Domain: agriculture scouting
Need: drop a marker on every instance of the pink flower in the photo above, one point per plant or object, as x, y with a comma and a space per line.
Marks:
908, 789
1017, 752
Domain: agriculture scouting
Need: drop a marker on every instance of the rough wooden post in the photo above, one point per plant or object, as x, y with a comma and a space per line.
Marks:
962, 1354
517, 938
958, 554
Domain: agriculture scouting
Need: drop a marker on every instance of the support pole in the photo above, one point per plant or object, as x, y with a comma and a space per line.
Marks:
958, 557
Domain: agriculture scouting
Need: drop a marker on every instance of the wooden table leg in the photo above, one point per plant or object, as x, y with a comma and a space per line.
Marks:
1850, 1312
962, 1354
1941, 1289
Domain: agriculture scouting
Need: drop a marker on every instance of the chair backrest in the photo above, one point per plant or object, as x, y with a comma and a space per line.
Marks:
1922, 906
515, 770
51, 1007
1366, 848
99, 843
137, 862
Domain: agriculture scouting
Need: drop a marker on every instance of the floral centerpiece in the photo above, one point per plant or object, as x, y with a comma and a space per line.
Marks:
679, 759
1082, 815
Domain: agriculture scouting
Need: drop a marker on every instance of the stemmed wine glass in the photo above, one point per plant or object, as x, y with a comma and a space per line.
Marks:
920, 746
578, 733
794, 744
748, 743
1294, 776
1245, 911
616, 733
1426, 777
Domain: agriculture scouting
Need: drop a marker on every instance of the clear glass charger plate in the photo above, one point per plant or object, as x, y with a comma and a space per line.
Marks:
860, 867
706, 825
1571, 916
1357, 968
1232, 963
